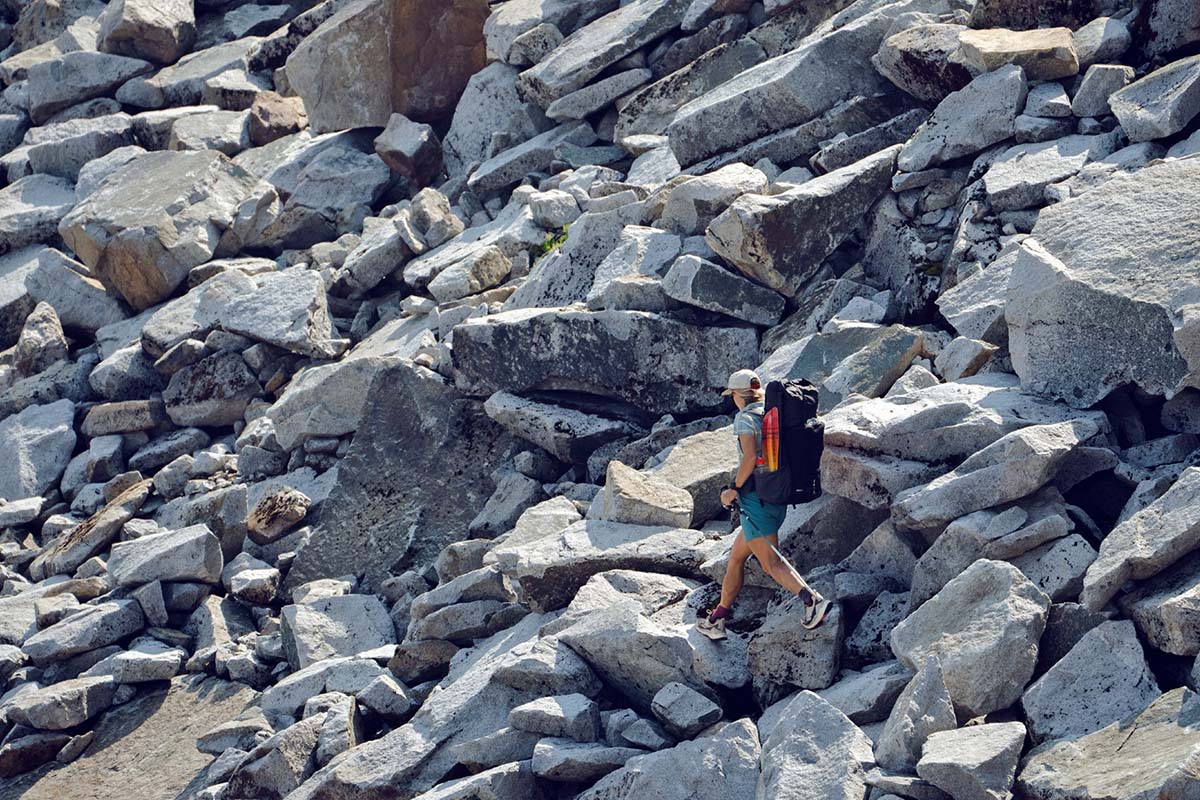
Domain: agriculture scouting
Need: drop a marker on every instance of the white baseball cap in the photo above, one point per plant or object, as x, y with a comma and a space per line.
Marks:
742, 379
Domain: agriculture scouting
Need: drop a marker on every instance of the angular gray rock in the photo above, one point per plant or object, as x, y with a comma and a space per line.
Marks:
92, 536
157, 30
974, 763
925, 61
783, 651
1150, 753
638, 498
733, 753
693, 204
1012, 467
119, 230
983, 626
1160, 608
975, 117
89, 628
552, 569
634, 654
922, 709
333, 627
31, 209
781, 240
288, 309
410, 148
60, 83
703, 284
813, 751
1146, 543
1084, 257
187, 554
489, 103
1160, 104
1098, 85
586, 53
571, 716
683, 711
36, 445
786, 91
63, 705
1103, 679
569, 761
1020, 177
569, 435
868, 697
211, 392
433, 48
551, 346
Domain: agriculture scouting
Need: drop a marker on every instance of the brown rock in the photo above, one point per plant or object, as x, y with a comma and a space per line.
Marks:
377, 57
276, 514
273, 116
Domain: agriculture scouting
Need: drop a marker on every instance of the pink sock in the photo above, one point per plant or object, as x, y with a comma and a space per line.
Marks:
720, 612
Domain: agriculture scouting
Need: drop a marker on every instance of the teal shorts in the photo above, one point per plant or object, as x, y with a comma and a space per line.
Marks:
759, 519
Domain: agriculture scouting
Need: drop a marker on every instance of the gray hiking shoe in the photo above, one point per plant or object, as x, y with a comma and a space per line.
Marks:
814, 615
713, 629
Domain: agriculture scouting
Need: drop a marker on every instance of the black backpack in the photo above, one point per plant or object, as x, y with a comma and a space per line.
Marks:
797, 478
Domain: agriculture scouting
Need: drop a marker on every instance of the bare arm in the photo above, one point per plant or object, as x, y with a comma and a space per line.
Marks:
749, 458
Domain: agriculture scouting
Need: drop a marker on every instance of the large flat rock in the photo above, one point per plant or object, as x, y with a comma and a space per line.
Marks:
946, 422
385, 510
786, 91
143, 749
781, 240
1148, 754
1107, 294
602, 353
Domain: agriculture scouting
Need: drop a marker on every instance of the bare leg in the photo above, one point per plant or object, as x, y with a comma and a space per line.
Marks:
735, 571
766, 551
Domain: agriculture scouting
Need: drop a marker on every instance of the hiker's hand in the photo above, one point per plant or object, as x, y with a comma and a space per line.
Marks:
728, 497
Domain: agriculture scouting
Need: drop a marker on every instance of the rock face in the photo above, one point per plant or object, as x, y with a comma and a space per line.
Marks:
980, 114
983, 626
814, 749
1132, 552
1103, 679
433, 49
778, 241
550, 345
120, 230
1147, 753
366, 525
332, 627
976, 763
36, 444
1083, 260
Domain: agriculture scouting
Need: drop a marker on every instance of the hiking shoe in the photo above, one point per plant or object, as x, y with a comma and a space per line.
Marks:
814, 615
712, 624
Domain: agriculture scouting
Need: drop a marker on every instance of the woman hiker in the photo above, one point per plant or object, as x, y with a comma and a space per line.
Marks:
759, 534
